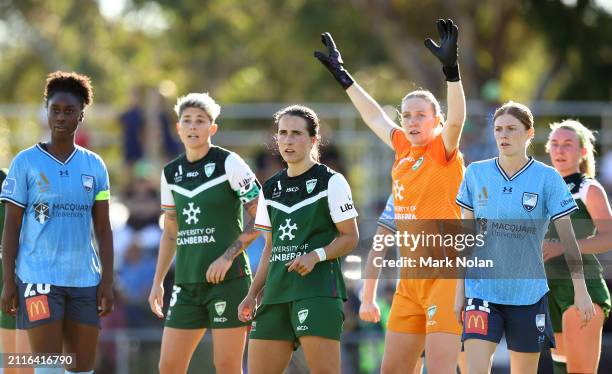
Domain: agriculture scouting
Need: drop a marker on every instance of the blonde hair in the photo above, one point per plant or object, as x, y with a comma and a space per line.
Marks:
427, 96
587, 141
198, 100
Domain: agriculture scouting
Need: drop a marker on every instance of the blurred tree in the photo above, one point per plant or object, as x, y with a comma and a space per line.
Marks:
261, 51
579, 45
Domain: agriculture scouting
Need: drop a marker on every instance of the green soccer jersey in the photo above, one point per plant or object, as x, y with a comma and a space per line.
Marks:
301, 213
3, 173
557, 270
207, 196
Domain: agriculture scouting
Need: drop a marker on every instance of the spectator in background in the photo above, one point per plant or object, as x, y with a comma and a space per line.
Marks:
133, 124
134, 279
170, 145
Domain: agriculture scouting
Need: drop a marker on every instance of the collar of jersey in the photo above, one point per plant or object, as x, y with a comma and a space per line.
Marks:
521, 170
55, 159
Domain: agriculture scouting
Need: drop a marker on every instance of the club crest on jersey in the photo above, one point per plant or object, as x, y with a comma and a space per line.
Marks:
418, 163
302, 315
209, 169
220, 307
431, 311
310, 185
540, 321
88, 182
530, 200
41, 212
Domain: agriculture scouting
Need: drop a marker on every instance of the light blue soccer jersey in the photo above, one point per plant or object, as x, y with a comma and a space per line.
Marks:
55, 245
387, 217
513, 213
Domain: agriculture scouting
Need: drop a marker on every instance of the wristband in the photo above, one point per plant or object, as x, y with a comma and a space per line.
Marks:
451, 73
321, 254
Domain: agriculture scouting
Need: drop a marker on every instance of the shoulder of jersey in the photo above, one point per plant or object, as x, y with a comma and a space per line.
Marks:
587, 182
176, 161
222, 151
30, 150
88, 153
270, 183
480, 164
542, 166
325, 172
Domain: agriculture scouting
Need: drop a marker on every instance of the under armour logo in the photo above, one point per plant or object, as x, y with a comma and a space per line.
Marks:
63, 173
507, 190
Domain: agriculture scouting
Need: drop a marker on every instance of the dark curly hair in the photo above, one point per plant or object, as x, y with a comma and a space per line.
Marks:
73, 83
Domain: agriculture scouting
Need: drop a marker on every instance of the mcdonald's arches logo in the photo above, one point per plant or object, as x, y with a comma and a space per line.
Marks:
38, 308
476, 322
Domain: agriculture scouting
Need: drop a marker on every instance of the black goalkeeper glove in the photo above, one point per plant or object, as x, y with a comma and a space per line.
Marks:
333, 61
446, 52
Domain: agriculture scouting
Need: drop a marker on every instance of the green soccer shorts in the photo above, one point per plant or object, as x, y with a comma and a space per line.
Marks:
317, 316
206, 305
561, 297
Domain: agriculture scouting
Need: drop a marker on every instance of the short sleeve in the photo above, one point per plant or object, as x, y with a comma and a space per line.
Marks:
340, 200
387, 217
262, 219
15, 185
167, 199
103, 184
559, 200
464, 196
241, 179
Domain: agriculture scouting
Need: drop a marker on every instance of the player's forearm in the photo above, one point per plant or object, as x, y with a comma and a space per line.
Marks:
460, 288
456, 104
343, 244
371, 113
374, 257
244, 240
572, 254
167, 249
10, 240
10, 247
105, 244
600, 243
262, 272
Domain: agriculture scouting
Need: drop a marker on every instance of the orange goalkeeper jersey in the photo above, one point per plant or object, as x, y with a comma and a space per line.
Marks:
425, 186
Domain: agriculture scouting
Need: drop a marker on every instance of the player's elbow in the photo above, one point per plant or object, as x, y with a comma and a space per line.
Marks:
352, 240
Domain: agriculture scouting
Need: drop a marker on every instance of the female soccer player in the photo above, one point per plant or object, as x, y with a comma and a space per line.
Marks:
570, 145
426, 175
309, 219
56, 192
203, 193
11, 340
513, 197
